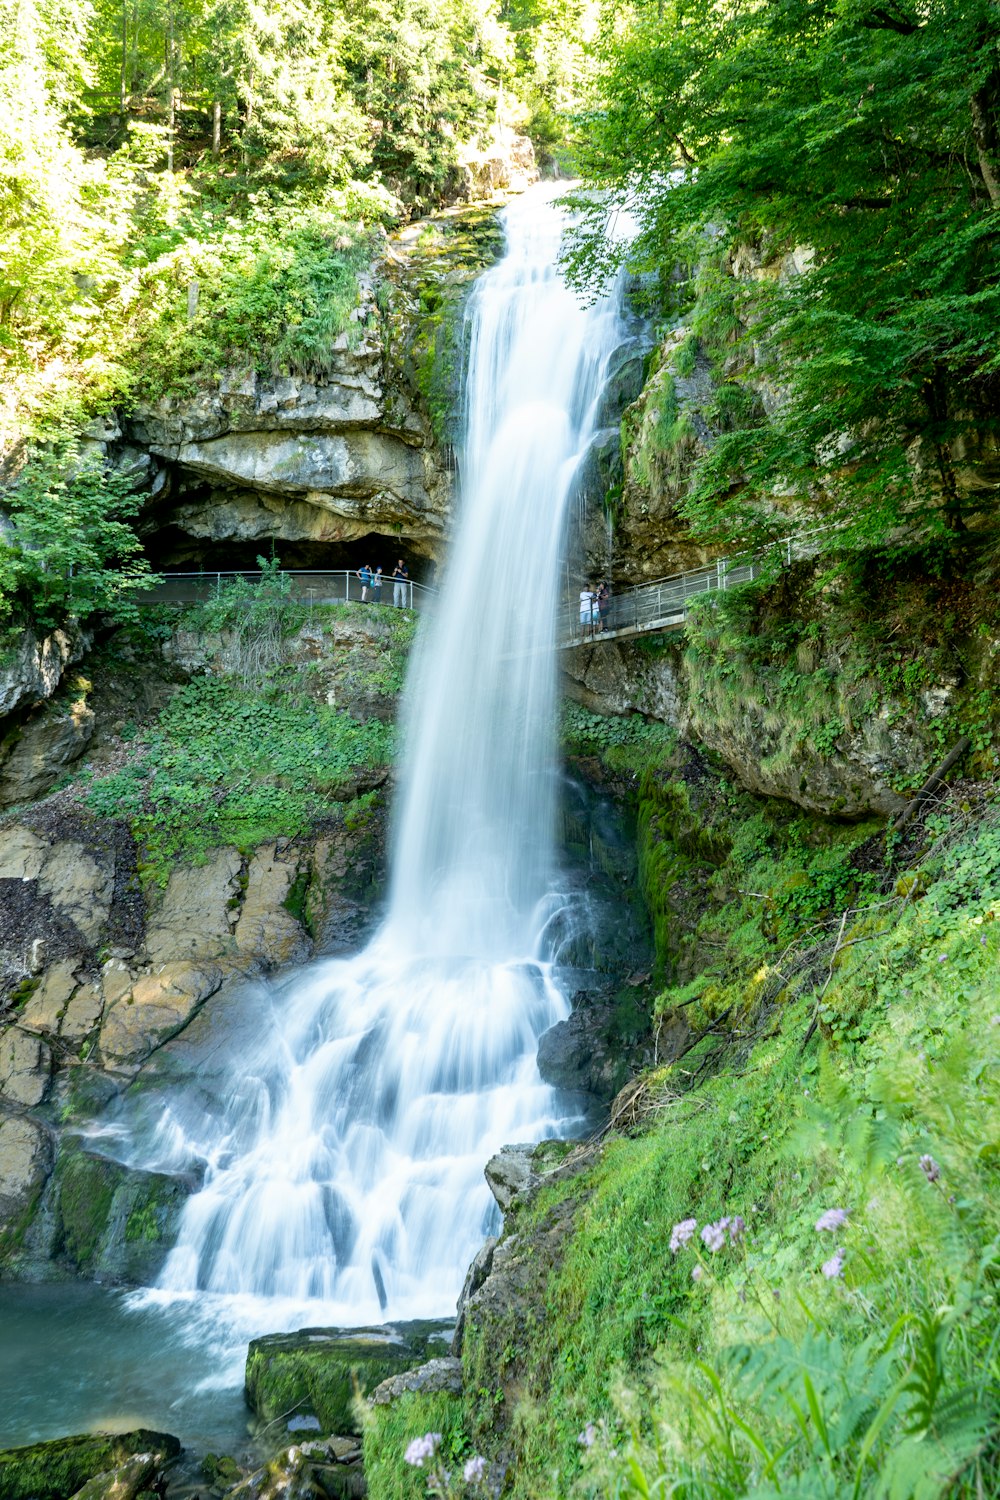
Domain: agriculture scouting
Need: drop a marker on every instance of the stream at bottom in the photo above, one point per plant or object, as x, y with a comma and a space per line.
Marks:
78, 1358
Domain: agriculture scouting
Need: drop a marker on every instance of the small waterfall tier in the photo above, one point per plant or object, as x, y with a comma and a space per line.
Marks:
342, 1158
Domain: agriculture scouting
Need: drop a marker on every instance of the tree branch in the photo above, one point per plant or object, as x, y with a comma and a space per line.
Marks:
881, 20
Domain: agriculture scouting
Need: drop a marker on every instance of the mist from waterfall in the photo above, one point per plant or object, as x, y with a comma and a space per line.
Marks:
343, 1157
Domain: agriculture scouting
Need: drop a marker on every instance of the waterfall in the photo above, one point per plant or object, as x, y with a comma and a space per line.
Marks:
344, 1159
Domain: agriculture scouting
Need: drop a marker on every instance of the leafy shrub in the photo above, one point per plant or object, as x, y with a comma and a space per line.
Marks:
228, 766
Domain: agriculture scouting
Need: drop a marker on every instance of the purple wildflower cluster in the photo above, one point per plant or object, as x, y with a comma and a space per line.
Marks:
833, 1218
421, 1448
930, 1168
475, 1469
830, 1220
713, 1236
834, 1267
683, 1232
588, 1436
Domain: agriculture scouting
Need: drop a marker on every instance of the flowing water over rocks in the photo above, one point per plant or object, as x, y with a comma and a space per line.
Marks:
342, 1156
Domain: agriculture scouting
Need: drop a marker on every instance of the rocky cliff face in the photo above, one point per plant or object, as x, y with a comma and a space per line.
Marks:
817, 725
105, 983
330, 460
794, 691
361, 450
106, 978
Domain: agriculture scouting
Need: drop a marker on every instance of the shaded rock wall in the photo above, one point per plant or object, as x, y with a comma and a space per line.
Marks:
844, 753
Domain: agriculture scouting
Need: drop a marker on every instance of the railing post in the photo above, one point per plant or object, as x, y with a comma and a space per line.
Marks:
347, 586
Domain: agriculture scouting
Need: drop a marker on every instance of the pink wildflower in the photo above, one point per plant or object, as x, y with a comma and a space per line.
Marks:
421, 1448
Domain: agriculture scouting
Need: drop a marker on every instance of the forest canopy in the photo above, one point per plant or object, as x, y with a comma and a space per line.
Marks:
851, 151
129, 126
186, 184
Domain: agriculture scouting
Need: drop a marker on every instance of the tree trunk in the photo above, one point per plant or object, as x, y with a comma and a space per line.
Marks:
123, 90
216, 129
984, 133
984, 107
133, 61
171, 99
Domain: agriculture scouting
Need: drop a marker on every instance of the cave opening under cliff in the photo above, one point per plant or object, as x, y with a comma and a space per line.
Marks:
172, 550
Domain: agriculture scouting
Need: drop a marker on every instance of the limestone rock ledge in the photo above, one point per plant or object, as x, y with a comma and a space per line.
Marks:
357, 449
97, 988
330, 459
852, 775
31, 671
38, 737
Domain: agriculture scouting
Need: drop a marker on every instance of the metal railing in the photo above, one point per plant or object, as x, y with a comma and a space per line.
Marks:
308, 586
663, 604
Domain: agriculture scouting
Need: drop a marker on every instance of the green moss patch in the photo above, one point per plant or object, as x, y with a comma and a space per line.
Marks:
112, 1219
56, 1470
320, 1372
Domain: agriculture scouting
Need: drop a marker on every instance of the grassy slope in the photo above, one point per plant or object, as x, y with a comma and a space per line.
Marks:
234, 763
765, 1376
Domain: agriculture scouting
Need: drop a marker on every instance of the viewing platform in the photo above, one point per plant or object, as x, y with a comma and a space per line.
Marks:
660, 605
339, 586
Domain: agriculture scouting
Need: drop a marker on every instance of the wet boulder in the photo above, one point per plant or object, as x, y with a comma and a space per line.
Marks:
327, 1469
113, 1222
316, 1372
516, 1172
437, 1377
64, 1467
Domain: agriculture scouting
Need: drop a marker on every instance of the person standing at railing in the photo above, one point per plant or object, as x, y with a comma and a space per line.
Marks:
400, 578
586, 609
603, 606
377, 586
365, 574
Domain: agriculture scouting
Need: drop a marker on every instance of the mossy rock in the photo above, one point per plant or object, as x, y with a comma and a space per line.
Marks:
318, 1371
427, 333
114, 1219
56, 1470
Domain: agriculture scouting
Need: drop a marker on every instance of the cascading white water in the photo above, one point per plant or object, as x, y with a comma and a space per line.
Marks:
345, 1161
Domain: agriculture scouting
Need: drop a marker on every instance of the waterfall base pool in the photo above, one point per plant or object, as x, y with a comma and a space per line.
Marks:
80, 1358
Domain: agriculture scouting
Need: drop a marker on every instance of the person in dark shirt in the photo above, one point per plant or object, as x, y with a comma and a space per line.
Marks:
604, 606
400, 578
